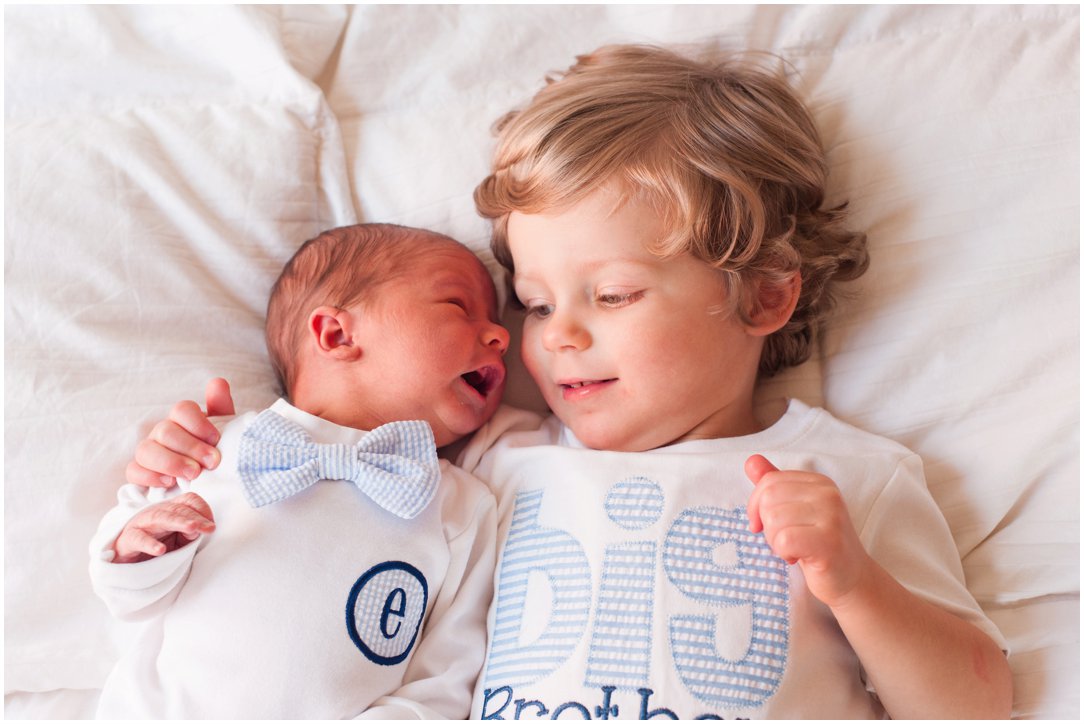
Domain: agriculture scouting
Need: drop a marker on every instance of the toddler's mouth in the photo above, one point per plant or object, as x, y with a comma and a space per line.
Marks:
584, 383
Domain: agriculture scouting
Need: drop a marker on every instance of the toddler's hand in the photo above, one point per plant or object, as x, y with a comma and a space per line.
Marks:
805, 521
182, 445
162, 528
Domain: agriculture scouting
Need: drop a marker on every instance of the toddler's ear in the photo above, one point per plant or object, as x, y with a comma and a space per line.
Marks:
772, 305
332, 331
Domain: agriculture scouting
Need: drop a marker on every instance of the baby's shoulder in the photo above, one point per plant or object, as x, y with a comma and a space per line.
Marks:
507, 421
465, 501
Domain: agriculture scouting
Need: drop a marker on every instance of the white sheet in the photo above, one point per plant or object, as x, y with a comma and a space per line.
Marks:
161, 164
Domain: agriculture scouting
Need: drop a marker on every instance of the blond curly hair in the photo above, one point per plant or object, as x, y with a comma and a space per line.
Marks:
724, 150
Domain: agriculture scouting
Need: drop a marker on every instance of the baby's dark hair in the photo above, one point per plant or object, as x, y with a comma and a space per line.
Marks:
724, 151
339, 268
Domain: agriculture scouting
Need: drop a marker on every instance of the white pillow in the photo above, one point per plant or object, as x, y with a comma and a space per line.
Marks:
161, 166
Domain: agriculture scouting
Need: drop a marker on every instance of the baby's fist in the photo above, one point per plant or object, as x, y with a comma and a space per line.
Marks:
163, 528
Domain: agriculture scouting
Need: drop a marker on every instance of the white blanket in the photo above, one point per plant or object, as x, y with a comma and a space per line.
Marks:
162, 163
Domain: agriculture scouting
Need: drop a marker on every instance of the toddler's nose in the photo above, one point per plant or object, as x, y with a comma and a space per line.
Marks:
564, 332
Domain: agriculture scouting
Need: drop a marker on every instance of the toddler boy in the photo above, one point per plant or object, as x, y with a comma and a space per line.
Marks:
667, 550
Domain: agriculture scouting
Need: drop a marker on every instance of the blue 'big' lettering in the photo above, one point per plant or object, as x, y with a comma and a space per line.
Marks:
756, 579
533, 548
623, 631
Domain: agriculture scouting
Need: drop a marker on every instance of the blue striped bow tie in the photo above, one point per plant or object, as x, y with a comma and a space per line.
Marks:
395, 464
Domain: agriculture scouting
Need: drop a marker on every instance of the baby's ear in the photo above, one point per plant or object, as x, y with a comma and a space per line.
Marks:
772, 304
333, 334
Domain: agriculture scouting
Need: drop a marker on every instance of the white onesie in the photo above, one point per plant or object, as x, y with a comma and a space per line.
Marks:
320, 606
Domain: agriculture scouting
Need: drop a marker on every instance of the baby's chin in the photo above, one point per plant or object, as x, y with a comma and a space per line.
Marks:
452, 432
445, 437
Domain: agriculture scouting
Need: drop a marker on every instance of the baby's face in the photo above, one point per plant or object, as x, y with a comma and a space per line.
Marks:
631, 351
435, 344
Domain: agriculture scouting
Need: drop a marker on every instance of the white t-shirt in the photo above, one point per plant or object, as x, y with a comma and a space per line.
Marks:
264, 618
629, 586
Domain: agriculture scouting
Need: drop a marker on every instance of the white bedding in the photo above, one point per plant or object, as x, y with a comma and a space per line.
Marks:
161, 164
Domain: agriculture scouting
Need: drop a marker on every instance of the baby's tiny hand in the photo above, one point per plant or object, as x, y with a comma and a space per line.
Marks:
182, 445
162, 528
805, 521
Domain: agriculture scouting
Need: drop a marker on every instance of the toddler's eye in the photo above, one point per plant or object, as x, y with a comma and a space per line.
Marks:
621, 299
539, 310
458, 302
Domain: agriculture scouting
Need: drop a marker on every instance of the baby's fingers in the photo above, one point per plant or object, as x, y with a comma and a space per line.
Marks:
190, 418
179, 437
163, 527
134, 545
172, 450
219, 399
196, 506
154, 457
188, 515
136, 474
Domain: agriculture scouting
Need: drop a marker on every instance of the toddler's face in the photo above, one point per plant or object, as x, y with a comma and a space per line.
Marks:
436, 345
631, 351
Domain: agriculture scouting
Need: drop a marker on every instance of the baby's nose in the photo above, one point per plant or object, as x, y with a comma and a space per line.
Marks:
496, 336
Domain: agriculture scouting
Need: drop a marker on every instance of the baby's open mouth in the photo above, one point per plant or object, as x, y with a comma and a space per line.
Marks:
484, 379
